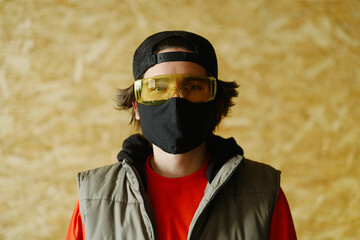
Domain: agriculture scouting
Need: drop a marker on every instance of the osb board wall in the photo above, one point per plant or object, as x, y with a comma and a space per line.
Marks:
297, 63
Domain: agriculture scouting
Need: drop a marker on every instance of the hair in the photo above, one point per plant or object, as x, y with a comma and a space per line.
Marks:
225, 91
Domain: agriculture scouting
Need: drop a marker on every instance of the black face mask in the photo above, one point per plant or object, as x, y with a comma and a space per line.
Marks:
178, 125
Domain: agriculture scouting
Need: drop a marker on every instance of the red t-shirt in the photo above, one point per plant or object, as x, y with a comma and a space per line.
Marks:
173, 207
173, 193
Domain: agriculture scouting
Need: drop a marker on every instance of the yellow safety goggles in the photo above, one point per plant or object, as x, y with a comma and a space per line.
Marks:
157, 90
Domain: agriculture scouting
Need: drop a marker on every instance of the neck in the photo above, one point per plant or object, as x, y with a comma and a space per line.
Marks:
178, 165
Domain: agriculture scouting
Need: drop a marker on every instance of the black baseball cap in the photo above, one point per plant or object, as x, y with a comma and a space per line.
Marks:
204, 53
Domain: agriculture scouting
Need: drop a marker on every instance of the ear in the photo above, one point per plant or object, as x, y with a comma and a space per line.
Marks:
135, 105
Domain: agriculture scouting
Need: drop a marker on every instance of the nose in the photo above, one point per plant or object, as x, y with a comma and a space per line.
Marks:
175, 93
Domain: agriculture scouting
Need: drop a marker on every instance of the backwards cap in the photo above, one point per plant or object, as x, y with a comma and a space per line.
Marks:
204, 55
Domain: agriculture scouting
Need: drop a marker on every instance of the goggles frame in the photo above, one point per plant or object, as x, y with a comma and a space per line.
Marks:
138, 88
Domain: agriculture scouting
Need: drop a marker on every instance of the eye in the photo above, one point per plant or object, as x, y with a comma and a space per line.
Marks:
157, 85
194, 85
159, 88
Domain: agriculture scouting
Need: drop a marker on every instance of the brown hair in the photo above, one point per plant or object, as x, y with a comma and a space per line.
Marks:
225, 92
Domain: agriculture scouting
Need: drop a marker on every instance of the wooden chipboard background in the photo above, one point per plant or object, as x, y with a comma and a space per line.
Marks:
297, 63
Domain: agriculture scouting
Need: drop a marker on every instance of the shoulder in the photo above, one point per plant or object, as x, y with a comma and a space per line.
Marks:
252, 176
111, 182
258, 168
100, 172
106, 172
96, 182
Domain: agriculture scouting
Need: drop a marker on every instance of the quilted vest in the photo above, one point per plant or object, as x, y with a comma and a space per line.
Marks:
237, 204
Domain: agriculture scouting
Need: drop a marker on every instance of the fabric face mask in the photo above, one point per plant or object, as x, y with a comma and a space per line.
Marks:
178, 125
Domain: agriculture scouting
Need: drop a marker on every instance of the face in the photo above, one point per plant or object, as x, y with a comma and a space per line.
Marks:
175, 67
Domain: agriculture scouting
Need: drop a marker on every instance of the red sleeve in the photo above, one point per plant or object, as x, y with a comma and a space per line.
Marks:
282, 225
76, 229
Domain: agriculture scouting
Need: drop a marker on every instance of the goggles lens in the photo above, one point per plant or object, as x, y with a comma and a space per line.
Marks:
157, 90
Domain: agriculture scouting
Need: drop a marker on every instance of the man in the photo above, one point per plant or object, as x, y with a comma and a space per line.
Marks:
178, 180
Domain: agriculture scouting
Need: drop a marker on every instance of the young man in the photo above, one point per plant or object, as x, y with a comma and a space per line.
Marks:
178, 180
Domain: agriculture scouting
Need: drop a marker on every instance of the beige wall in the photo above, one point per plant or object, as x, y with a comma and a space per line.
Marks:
297, 63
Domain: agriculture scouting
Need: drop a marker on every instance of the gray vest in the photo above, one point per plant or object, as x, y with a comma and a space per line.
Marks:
237, 204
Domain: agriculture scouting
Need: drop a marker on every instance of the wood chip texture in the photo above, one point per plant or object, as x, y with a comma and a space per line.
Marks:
297, 63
